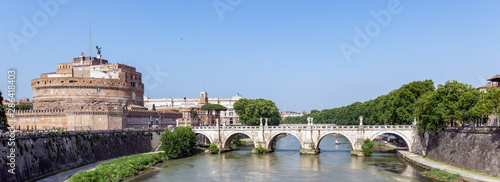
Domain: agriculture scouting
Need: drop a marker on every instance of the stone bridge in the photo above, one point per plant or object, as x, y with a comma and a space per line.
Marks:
309, 135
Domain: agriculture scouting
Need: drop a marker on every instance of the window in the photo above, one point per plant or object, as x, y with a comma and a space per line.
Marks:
69, 66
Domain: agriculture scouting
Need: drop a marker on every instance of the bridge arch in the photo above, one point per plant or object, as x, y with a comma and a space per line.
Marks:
273, 137
407, 141
334, 132
229, 138
204, 134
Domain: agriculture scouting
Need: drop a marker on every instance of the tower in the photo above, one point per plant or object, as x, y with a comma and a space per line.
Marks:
203, 98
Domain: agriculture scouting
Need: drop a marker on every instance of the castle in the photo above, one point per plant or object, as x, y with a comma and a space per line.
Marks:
90, 94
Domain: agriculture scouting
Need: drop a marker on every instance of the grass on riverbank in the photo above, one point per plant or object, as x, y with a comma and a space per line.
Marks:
441, 175
480, 173
119, 169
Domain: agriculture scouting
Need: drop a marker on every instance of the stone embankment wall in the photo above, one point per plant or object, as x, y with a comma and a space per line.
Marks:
476, 149
38, 155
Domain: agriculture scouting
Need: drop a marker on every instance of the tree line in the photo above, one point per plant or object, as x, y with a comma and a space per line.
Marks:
449, 104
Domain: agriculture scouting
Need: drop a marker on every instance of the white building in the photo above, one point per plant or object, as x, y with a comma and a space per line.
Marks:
229, 116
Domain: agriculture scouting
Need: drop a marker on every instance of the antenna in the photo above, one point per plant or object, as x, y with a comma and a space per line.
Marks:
90, 43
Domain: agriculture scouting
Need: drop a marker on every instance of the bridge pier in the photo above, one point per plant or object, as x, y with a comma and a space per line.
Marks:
309, 148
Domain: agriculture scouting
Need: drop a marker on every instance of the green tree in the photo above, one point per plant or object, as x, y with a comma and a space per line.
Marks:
3, 118
467, 102
23, 106
450, 103
154, 107
178, 143
213, 107
251, 110
194, 114
488, 104
426, 111
367, 147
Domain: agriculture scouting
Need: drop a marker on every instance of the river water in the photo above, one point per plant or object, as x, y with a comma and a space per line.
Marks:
334, 163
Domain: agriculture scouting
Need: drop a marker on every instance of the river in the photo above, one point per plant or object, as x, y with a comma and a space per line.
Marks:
334, 163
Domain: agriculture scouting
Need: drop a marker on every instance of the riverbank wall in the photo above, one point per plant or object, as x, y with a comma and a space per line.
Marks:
476, 149
41, 154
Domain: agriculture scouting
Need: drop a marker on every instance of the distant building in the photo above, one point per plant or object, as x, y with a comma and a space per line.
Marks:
188, 105
90, 94
285, 114
492, 82
21, 101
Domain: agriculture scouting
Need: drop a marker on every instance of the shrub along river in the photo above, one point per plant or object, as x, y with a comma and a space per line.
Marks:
334, 163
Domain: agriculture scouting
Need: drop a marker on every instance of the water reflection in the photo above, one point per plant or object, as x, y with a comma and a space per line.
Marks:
334, 163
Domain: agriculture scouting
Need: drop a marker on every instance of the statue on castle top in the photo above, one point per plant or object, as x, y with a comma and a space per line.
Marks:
98, 49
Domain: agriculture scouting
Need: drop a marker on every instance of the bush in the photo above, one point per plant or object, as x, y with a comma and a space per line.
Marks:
367, 147
178, 143
260, 149
119, 169
213, 148
440, 175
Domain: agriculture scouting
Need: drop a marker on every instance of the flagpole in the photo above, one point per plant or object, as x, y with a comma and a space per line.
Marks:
90, 40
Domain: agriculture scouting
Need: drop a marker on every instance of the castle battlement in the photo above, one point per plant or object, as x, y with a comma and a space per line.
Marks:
83, 83
31, 112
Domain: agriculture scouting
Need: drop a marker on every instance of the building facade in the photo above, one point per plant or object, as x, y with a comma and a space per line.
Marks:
90, 94
285, 114
189, 105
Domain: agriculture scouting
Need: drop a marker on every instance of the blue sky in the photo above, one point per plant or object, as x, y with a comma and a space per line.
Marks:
286, 51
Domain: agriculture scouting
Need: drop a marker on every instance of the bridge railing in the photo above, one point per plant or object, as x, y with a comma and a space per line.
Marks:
303, 126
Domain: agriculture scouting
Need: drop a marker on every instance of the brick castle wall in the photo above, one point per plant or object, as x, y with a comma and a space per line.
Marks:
63, 93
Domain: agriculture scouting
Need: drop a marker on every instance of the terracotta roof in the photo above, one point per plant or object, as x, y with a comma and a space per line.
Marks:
494, 78
486, 86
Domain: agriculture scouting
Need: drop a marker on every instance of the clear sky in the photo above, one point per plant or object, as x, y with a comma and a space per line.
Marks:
286, 51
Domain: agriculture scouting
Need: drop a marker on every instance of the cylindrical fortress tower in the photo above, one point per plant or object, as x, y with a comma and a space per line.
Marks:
88, 82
